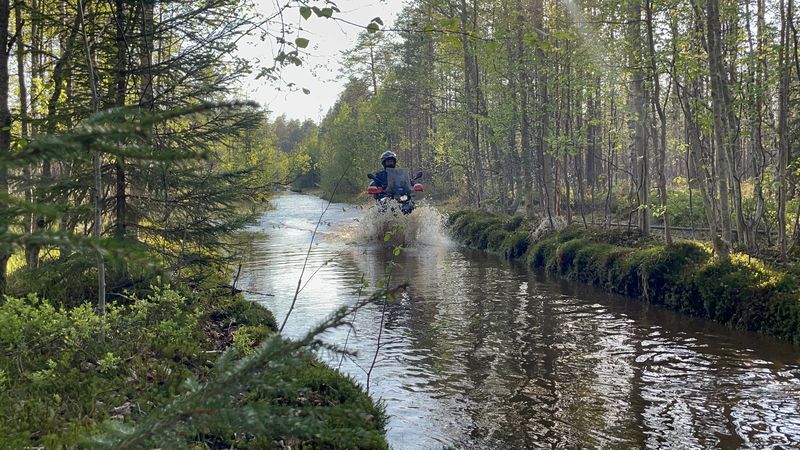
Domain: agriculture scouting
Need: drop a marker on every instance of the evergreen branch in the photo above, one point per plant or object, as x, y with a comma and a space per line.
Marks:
224, 398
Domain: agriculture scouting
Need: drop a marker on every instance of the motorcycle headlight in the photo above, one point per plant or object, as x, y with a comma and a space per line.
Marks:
403, 198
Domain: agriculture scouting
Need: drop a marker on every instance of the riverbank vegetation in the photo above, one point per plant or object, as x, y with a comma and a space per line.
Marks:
70, 376
739, 291
126, 172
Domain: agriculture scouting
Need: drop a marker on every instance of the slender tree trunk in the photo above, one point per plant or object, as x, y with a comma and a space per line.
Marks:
547, 166
726, 129
523, 85
783, 124
146, 57
515, 168
31, 255
5, 138
661, 132
372, 71
639, 101
98, 174
120, 203
471, 102
719, 103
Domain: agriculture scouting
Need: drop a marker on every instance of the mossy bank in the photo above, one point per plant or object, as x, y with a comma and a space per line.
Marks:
67, 374
741, 292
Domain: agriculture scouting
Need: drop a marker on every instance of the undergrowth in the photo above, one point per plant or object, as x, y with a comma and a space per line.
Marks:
67, 373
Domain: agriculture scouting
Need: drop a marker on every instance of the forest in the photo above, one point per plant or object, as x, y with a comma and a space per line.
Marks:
132, 164
673, 117
129, 163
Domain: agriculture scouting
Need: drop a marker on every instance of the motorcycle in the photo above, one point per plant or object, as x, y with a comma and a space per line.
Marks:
398, 188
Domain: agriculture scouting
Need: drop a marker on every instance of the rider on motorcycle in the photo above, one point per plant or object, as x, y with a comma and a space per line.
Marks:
381, 179
394, 184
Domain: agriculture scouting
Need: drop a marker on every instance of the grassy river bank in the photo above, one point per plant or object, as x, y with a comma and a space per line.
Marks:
742, 292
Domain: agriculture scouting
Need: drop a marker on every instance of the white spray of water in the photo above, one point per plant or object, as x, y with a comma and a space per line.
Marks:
423, 227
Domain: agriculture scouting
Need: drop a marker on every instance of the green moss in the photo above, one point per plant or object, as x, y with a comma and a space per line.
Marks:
542, 251
514, 223
237, 310
453, 217
590, 263
344, 416
495, 238
565, 255
741, 292
515, 244
479, 230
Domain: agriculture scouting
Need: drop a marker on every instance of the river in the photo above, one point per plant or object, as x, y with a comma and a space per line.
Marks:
480, 353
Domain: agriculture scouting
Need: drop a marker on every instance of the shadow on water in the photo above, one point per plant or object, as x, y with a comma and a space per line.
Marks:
484, 354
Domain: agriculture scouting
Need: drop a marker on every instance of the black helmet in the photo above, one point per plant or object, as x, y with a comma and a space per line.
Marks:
387, 155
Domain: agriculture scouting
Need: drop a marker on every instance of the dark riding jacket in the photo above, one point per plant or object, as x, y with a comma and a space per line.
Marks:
382, 180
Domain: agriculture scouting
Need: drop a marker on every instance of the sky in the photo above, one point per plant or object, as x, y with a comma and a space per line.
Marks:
320, 72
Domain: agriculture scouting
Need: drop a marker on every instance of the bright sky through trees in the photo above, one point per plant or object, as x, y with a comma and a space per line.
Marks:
320, 73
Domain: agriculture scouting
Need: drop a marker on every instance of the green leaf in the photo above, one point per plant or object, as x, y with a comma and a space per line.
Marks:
305, 11
301, 42
397, 251
324, 12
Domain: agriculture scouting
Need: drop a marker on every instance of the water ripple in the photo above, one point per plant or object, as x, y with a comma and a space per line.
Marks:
482, 354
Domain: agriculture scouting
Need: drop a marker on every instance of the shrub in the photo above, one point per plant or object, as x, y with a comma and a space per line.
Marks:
58, 368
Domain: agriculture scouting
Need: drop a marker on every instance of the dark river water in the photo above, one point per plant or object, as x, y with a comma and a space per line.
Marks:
480, 353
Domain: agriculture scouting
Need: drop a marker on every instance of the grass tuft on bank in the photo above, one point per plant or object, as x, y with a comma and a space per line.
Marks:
741, 292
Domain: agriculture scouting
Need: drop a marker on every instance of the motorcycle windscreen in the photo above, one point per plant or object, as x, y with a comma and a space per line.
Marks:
398, 181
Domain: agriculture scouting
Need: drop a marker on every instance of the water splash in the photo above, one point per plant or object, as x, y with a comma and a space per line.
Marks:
423, 227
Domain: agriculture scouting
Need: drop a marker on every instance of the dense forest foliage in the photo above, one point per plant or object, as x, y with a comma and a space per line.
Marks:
677, 116
119, 125
126, 169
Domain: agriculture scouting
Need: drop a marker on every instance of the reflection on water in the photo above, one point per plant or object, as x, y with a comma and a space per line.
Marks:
484, 354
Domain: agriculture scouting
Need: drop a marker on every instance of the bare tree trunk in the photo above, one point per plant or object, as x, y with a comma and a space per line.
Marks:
638, 99
719, 99
661, 132
783, 124
98, 175
547, 170
5, 138
120, 203
700, 154
471, 101
726, 128
146, 56
31, 260
518, 172
372, 70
